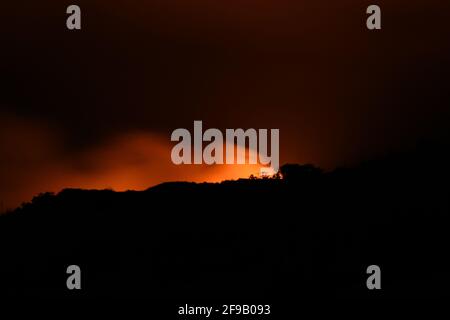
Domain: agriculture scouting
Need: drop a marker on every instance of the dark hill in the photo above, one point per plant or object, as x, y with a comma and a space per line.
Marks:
308, 235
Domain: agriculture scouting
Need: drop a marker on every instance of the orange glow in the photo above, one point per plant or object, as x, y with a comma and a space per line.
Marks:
134, 161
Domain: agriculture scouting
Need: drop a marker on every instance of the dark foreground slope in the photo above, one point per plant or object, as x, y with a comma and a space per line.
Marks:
310, 235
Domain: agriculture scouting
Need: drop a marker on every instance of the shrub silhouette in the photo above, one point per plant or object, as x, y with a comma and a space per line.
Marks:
298, 173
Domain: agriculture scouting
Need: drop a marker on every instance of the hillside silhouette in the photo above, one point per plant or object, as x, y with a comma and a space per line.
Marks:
305, 233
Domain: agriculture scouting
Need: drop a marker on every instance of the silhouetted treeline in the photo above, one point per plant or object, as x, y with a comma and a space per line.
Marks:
305, 234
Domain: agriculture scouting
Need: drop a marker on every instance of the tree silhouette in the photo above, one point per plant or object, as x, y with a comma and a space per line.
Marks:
299, 173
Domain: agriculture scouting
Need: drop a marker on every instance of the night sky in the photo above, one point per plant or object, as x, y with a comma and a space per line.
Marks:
95, 108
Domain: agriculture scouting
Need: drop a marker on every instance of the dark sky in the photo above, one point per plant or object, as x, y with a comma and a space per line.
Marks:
96, 107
